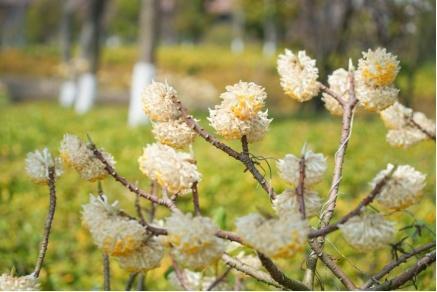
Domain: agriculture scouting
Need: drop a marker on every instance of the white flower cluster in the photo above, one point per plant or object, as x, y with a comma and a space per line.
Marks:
299, 75
76, 154
402, 190
315, 167
376, 73
401, 122
24, 283
119, 236
174, 171
368, 231
240, 112
38, 163
277, 237
168, 127
193, 241
287, 202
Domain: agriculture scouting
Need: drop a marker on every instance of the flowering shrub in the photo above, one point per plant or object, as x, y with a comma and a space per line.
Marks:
193, 242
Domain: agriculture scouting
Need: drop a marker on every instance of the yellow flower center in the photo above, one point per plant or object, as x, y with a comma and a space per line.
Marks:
380, 75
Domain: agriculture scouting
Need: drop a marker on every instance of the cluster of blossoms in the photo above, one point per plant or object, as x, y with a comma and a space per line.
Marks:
289, 170
76, 154
280, 237
24, 283
403, 125
368, 231
168, 128
193, 240
120, 236
38, 164
175, 171
240, 112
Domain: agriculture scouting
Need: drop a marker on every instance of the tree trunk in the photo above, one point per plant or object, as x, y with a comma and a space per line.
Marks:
89, 56
68, 88
144, 69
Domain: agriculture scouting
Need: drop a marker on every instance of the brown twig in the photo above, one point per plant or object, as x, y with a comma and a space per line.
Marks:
355, 212
131, 187
250, 271
409, 274
420, 128
300, 189
141, 283
180, 275
192, 123
402, 259
130, 281
49, 220
196, 204
335, 269
219, 279
279, 276
337, 97
106, 273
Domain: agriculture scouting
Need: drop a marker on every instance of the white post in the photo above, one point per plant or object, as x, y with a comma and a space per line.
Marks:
68, 93
143, 75
87, 92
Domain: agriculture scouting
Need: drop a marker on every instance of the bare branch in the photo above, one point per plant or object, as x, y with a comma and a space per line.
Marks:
337, 97
430, 135
106, 273
49, 221
196, 204
409, 274
300, 189
250, 271
335, 269
130, 281
402, 259
279, 276
131, 187
219, 279
366, 201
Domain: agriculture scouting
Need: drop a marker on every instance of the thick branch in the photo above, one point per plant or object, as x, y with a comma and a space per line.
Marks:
250, 271
402, 259
131, 187
49, 221
279, 276
335, 269
409, 274
366, 201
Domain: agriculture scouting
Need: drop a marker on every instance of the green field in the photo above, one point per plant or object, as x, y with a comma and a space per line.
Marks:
73, 261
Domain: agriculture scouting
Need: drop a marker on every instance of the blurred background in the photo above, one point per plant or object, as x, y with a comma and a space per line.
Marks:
79, 66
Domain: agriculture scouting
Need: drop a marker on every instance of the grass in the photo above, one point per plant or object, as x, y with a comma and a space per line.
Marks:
226, 192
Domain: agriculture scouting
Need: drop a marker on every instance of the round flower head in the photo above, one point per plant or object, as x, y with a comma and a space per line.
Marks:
174, 133
76, 154
147, 257
193, 240
405, 137
158, 104
115, 234
276, 238
401, 190
368, 231
298, 75
378, 67
287, 203
24, 283
174, 171
375, 98
258, 127
244, 99
339, 83
38, 163
315, 167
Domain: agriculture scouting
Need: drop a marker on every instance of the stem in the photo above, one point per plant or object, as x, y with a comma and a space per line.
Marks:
219, 279
130, 281
49, 220
131, 187
301, 188
337, 97
409, 274
355, 212
389, 267
179, 274
195, 199
141, 282
106, 273
250, 271
423, 130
